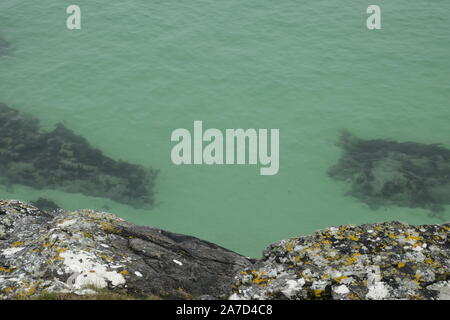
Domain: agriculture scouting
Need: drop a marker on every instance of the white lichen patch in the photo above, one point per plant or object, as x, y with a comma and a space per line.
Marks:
234, 296
443, 289
66, 223
11, 251
89, 270
342, 289
292, 287
378, 291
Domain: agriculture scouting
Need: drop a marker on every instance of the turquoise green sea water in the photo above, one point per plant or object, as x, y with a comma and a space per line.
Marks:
139, 69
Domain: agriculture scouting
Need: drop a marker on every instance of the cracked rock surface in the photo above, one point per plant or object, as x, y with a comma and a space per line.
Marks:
69, 251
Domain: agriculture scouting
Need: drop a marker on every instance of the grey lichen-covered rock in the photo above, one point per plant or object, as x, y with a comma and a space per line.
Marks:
375, 261
77, 251
73, 252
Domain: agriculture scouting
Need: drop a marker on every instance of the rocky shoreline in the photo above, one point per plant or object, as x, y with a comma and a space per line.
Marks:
79, 252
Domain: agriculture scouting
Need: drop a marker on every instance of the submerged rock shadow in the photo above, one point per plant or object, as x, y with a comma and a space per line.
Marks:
385, 172
60, 159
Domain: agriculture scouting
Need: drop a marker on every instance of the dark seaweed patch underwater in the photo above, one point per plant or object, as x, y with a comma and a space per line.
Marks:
62, 160
405, 174
45, 204
5, 47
